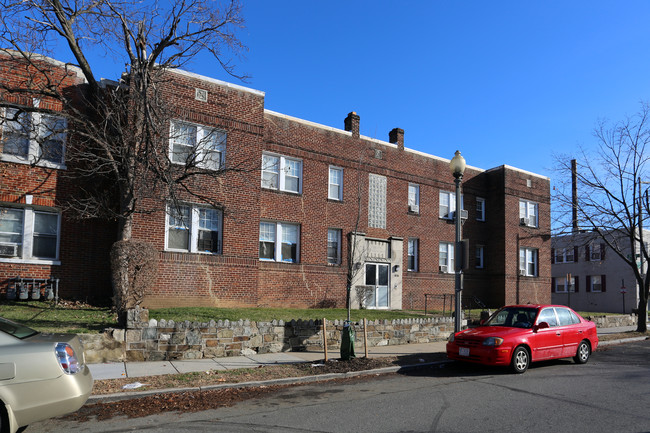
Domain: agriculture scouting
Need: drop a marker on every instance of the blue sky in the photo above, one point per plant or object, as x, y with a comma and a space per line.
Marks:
505, 82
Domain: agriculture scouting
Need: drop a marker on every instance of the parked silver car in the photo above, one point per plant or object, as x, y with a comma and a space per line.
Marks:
41, 375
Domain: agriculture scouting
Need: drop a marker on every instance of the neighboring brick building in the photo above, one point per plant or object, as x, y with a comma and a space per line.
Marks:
299, 195
38, 243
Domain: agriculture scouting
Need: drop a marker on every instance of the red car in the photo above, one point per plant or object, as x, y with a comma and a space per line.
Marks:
517, 335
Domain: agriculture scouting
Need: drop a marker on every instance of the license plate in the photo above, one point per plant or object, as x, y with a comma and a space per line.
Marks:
463, 351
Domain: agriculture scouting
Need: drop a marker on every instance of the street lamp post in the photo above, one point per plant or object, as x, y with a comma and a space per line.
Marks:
457, 165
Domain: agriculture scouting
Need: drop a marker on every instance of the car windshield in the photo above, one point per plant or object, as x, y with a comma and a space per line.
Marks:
513, 317
16, 329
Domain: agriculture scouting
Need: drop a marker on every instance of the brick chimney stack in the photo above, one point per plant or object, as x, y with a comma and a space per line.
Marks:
352, 124
396, 136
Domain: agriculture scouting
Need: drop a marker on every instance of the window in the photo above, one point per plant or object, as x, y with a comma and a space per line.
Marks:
33, 137
448, 204
480, 209
595, 252
335, 190
376, 201
564, 255
279, 242
547, 315
480, 256
412, 258
414, 198
333, 246
528, 213
528, 262
281, 173
196, 146
566, 317
561, 285
446, 257
194, 229
29, 234
596, 283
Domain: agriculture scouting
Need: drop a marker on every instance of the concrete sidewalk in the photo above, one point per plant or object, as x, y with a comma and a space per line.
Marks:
117, 370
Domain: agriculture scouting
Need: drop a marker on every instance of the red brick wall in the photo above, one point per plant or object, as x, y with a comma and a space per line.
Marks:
230, 278
237, 277
83, 269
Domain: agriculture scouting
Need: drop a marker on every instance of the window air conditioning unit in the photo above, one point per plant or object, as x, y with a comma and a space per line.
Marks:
522, 272
8, 250
523, 221
414, 208
443, 269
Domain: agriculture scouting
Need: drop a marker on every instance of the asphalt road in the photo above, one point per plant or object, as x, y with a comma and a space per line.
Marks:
609, 394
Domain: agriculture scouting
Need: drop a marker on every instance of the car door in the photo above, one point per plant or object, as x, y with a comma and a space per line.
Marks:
547, 342
572, 332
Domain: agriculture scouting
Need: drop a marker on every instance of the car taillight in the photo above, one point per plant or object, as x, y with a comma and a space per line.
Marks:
67, 358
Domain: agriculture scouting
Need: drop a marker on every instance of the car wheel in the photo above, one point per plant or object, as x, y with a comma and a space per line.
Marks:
582, 355
520, 360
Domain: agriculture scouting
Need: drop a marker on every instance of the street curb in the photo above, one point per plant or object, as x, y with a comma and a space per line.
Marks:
621, 341
108, 398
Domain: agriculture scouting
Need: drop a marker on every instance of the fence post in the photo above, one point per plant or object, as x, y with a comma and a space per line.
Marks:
325, 337
365, 336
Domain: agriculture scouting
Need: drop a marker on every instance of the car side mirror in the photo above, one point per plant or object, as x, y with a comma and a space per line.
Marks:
482, 322
542, 325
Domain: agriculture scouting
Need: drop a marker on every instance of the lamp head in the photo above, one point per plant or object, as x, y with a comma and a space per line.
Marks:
457, 165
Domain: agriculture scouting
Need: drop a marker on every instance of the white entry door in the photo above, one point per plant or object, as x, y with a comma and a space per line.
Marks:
377, 275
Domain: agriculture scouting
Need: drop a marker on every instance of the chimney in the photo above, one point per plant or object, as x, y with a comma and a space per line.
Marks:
396, 136
352, 124
574, 196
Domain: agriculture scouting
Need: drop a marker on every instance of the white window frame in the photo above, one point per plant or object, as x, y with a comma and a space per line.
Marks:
528, 213
335, 183
480, 257
447, 204
207, 146
595, 251
413, 248
35, 133
282, 172
280, 229
193, 226
565, 255
446, 265
528, 262
414, 198
592, 285
334, 235
480, 209
28, 234
562, 282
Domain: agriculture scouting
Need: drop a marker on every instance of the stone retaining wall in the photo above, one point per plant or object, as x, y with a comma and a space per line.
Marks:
613, 321
152, 340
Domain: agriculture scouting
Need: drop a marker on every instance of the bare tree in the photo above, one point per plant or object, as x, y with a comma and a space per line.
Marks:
119, 139
356, 250
612, 199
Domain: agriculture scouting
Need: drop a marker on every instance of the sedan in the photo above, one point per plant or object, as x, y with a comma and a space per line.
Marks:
517, 335
41, 376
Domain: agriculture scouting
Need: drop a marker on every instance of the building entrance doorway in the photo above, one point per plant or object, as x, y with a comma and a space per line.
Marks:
377, 276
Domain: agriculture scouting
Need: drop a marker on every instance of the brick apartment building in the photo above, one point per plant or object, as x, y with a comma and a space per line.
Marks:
301, 197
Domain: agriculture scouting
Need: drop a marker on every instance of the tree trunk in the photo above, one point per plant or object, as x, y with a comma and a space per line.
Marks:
642, 311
